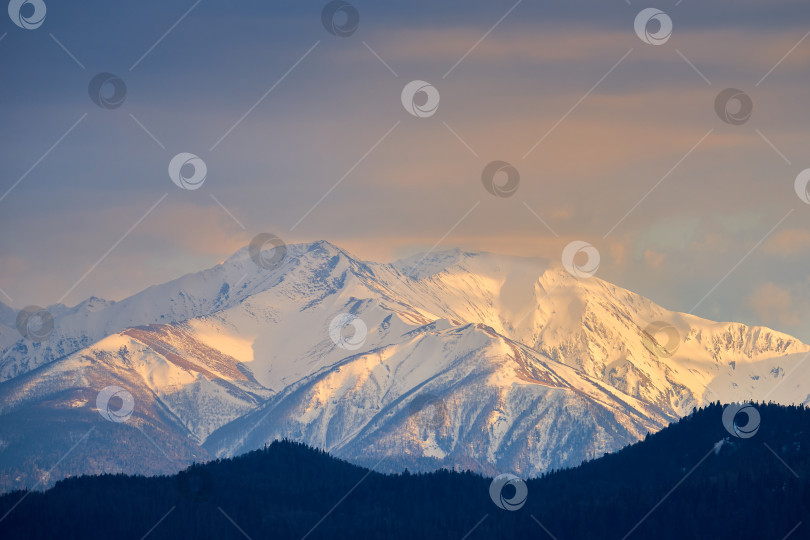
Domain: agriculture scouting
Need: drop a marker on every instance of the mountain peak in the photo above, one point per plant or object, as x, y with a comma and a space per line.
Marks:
429, 263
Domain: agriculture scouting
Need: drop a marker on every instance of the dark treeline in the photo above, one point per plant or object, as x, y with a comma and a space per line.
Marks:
738, 490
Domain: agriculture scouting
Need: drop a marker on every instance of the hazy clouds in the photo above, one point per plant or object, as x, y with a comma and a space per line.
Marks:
675, 200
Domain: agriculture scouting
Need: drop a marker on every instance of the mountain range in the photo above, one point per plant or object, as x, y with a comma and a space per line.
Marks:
453, 359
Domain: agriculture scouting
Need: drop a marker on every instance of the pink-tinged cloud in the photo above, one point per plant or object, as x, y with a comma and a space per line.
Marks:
709, 49
788, 242
774, 304
653, 258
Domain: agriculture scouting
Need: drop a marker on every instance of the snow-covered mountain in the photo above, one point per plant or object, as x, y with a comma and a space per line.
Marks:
458, 359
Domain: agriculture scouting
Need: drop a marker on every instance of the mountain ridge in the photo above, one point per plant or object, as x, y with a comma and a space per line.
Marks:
465, 357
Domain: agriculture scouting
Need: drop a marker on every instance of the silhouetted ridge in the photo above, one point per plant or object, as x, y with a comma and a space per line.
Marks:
733, 488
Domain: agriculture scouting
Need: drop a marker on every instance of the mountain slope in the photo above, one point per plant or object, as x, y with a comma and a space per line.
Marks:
487, 400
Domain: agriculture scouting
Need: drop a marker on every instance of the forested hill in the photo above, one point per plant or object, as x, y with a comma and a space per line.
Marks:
693, 480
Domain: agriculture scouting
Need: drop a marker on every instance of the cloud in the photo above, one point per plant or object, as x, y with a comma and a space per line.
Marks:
195, 229
775, 304
619, 150
654, 258
176, 238
618, 252
713, 50
788, 242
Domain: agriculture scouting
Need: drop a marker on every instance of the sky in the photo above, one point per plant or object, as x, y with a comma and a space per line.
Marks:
614, 134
